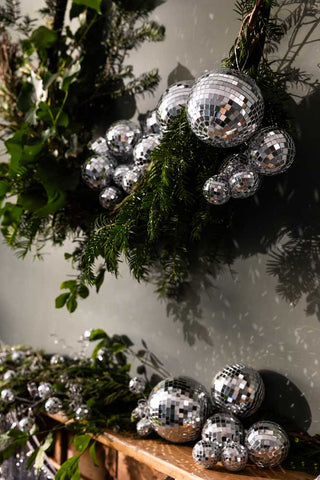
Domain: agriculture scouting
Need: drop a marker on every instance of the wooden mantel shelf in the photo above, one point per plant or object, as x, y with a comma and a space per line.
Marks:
176, 460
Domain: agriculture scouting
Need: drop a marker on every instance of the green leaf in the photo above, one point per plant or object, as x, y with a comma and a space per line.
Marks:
61, 300
39, 460
26, 98
69, 284
81, 442
32, 200
4, 187
69, 470
63, 120
43, 38
30, 153
98, 334
93, 4
83, 291
76, 10
72, 303
93, 454
4, 439
99, 279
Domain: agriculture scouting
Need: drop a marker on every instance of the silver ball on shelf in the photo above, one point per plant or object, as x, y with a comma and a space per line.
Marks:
225, 108
267, 443
234, 457
144, 427
45, 390
18, 357
26, 424
172, 101
222, 428
244, 182
137, 385
120, 172
130, 179
239, 389
82, 412
9, 375
140, 411
206, 454
7, 395
143, 149
271, 151
53, 405
97, 172
178, 408
109, 197
152, 124
216, 190
57, 359
122, 136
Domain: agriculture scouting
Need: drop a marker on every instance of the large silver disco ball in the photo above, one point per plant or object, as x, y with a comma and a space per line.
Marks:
271, 151
267, 444
223, 427
97, 172
172, 101
239, 389
143, 149
225, 108
122, 136
216, 190
178, 408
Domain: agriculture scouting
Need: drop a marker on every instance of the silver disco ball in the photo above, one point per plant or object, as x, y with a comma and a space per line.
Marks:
97, 172
234, 457
178, 408
131, 178
144, 427
152, 124
271, 151
216, 190
232, 163
206, 454
267, 444
225, 108
99, 146
122, 136
223, 428
172, 101
143, 149
110, 196
239, 389
53, 405
137, 385
244, 182
120, 172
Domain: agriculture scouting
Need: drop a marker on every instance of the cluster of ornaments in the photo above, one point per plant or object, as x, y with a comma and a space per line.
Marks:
180, 410
119, 160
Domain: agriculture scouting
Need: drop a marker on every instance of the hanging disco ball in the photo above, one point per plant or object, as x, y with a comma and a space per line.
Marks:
271, 151
222, 428
225, 108
122, 136
142, 151
233, 163
131, 178
172, 101
97, 172
267, 444
120, 172
244, 182
109, 197
216, 190
178, 408
152, 124
99, 146
239, 389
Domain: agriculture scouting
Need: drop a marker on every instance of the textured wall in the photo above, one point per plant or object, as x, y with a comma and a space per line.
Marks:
240, 317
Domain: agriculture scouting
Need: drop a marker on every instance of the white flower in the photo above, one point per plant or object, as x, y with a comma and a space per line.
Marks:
40, 94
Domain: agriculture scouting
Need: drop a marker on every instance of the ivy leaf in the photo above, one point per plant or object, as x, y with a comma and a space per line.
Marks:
93, 4
72, 303
61, 300
43, 38
99, 279
83, 291
69, 284
81, 442
93, 454
4, 187
98, 334
69, 470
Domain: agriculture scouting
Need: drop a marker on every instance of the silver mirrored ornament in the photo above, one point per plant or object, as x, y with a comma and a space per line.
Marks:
142, 151
97, 172
120, 172
45, 389
9, 375
267, 444
57, 359
152, 124
206, 454
137, 385
178, 408
233, 163
144, 427
7, 395
53, 405
122, 136
18, 357
234, 457
140, 411
109, 197
244, 182
271, 151
239, 389
131, 178
222, 428
26, 424
82, 412
172, 101
99, 146
216, 190
32, 389
225, 108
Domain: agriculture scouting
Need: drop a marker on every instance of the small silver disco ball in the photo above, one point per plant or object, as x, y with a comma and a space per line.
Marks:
142, 151
234, 457
216, 190
244, 182
109, 197
172, 101
206, 454
239, 389
122, 136
267, 444
271, 151
178, 408
152, 124
223, 427
97, 172
225, 108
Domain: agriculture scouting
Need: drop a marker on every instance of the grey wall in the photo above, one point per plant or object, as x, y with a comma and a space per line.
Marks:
240, 318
